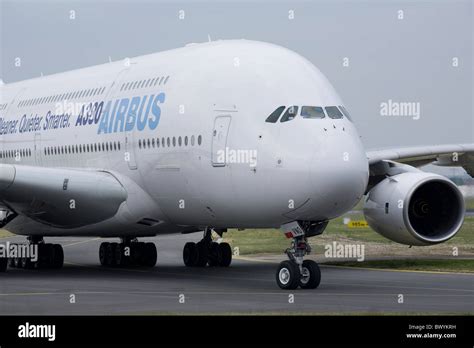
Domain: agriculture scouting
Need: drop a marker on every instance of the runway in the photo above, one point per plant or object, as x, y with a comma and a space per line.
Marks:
245, 287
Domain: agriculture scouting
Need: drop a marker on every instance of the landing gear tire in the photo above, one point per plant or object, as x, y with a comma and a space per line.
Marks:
215, 255
288, 275
48, 256
3, 264
119, 256
311, 275
190, 254
103, 253
225, 252
202, 254
58, 256
150, 255
114, 262
297, 271
207, 252
130, 253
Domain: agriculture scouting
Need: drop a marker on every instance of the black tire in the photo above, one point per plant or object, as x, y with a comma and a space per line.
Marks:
103, 253
150, 255
47, 258
119, 256
29, 264
135, 253
11, 262
202, 254
18, 262
58, 256
214, 255
126, 250
225, 255
3, 264
190, 254
110, 254
288, 275
311, 276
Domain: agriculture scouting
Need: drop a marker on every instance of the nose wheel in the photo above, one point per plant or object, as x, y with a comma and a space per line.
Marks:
297, 272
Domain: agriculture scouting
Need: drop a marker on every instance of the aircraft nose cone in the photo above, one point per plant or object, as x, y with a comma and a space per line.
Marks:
339, 175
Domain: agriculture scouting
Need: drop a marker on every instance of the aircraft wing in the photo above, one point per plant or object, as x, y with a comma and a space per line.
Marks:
454, 155
60, 197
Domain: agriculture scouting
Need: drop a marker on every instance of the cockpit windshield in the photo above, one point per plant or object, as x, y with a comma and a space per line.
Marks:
333, 112
312, 112
308, 112
289, 114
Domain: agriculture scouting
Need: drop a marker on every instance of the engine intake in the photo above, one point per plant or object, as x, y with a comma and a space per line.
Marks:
415, 208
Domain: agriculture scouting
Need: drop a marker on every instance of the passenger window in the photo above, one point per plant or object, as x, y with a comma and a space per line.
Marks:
312, 112
289, 114
275, 115
345, 112
333, 112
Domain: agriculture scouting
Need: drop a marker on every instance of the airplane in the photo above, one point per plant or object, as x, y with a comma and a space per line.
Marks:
224, 134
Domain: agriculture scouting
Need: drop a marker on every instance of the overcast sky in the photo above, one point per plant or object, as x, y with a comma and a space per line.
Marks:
403, 60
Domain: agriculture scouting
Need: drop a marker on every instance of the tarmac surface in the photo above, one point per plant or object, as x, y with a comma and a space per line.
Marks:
247, 286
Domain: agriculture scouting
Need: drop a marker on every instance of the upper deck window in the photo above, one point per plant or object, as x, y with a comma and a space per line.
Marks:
289, 114
275, 115
312, 112
333, 112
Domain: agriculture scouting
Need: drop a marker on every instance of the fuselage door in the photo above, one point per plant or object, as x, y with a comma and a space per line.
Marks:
130, 151
219, 140
37, 149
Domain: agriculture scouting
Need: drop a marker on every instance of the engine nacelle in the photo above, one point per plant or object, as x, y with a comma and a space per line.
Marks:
415, 208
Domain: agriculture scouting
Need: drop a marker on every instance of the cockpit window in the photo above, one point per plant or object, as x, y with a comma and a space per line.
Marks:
289, 114
333, 112
345, 112
275, 115
312, 112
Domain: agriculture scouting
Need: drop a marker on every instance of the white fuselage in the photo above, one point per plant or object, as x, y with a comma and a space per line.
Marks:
161, 120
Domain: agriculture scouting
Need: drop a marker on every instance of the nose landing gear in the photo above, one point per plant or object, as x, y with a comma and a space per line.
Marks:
297, 271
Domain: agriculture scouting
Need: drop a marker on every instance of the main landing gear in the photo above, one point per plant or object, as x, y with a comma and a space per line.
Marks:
207, 252
129, 252
296, 271
46, 255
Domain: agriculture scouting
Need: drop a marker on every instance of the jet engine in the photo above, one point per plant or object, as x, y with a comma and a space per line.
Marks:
415, 208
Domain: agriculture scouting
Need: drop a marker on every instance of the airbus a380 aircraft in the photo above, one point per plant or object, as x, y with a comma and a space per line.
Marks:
227, 134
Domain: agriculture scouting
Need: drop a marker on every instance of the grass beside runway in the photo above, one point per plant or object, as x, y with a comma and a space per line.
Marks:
5, 234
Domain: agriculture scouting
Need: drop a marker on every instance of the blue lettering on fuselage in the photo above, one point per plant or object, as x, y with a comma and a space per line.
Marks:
127, 114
